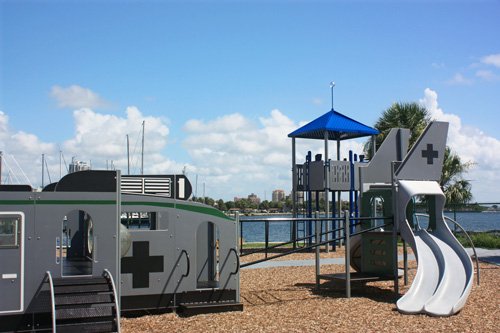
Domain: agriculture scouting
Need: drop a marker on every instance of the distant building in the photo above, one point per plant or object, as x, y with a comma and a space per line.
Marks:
78, 166
253, 198
278, 195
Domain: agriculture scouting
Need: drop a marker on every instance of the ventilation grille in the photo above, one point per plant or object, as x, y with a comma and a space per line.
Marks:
147, 185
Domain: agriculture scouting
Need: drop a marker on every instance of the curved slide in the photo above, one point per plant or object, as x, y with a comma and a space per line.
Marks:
445, 272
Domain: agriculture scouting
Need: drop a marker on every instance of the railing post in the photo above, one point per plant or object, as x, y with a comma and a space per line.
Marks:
347, 254
318, 264
405, 263
266, 235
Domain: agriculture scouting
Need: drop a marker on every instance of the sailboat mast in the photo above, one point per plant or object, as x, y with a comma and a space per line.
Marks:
43, 168
1, 154
142, 152
128, 156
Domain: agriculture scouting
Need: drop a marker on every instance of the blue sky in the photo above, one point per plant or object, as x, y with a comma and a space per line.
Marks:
221, 83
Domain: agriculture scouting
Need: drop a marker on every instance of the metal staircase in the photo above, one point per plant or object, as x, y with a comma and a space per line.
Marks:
85, 304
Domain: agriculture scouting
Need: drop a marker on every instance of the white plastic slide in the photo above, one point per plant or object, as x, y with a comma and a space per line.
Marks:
445, 272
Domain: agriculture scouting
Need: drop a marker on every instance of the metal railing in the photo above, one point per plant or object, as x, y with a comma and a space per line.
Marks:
108, 275
188, 269
48, 277
318, 243
466, 235
294, 240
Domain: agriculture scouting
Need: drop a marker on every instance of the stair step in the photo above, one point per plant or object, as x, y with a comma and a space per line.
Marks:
89, 312
81, 288
81, 298
190, 309
78, 281
95, 327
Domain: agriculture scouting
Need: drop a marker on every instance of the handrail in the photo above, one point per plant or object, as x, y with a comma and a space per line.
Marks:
302, 249
237, 261
466, 235
289, 219
52, 300
188, 264
107, 274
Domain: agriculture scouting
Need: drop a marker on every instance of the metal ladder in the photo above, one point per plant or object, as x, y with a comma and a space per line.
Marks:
85, 304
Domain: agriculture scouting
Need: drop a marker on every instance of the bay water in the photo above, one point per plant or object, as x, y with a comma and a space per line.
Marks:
281, 231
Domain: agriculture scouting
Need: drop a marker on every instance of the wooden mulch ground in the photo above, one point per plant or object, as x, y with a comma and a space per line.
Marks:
284, 299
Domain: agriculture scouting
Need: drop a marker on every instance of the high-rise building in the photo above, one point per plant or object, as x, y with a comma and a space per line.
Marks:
253, 198
278, 195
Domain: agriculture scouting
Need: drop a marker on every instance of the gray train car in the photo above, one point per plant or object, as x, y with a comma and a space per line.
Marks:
96, 245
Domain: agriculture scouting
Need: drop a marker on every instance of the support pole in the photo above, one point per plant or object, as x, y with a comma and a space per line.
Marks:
339, 200
395, 229
294, 195
318, 263
238, 231
327, 192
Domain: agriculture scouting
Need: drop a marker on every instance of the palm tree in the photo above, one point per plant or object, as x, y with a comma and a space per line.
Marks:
416, 117
456, 189
403, 115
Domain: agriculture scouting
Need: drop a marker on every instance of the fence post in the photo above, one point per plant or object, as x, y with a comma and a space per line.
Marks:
347, 254
266, 224
240, 227
318, 264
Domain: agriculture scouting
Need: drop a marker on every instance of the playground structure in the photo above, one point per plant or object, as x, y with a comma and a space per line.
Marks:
97, 244
386, 188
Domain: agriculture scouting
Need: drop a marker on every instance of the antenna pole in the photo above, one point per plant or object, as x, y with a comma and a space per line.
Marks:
332, 84
142, 153
128, 156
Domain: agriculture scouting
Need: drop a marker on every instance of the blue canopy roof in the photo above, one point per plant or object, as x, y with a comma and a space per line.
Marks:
338, 126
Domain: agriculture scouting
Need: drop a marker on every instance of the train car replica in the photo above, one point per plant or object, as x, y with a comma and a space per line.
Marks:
97, 244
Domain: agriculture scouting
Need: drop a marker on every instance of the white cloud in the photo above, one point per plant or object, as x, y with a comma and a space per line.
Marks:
486, 75
492, 59
102, 137
438, 65
471, 144
459, 79
317, 101
22, 154
76, 97
254, 157
98, 138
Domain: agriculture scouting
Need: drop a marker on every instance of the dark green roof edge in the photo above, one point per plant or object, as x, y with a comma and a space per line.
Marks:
191, 208
204, 210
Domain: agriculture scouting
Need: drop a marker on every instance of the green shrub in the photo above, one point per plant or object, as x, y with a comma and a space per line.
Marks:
486, 240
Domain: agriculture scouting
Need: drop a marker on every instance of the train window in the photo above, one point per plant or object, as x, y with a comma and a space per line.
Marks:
9, 231
139, 220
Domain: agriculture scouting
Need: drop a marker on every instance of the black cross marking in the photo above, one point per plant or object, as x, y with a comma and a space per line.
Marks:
141, 264
430, 153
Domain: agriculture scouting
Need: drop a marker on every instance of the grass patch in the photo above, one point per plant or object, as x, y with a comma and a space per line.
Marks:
486, 240
261, 245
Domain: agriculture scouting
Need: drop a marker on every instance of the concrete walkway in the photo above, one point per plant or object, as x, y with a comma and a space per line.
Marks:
486, 255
